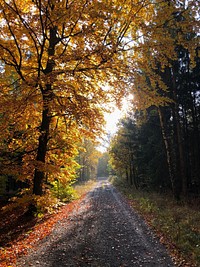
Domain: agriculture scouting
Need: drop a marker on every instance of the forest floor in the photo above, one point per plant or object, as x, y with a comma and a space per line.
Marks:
101, 230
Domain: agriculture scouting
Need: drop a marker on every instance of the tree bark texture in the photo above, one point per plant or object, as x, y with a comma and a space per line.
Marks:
47, 95
179, 140
39, 174
168, 151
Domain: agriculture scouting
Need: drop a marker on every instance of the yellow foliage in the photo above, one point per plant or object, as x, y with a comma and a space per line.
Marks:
45, 203
62, 61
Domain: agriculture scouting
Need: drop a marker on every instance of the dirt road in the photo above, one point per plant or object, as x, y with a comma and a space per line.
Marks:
101, 232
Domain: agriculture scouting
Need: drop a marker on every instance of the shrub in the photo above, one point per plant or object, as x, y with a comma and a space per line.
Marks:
65, 193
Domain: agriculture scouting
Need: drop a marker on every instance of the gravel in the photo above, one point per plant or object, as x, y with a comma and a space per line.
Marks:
102, 231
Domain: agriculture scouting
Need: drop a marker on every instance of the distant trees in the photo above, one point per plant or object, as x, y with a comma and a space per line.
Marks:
88, 160
140, 158
103, 165
122, 151
166, 85
163, 157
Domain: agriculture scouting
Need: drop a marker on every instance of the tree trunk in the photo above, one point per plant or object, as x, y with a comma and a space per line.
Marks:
127, 175
47, 95
131, 174
168, 152
195, 144
179, 140
39, 174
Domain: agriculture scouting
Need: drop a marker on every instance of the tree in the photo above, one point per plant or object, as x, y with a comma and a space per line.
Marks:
164, 55
88, 161
62, 61
137, 151
102, 167
59, 55
123, 150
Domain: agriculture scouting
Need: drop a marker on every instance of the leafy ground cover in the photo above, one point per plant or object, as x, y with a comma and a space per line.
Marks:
176, 224
19, 232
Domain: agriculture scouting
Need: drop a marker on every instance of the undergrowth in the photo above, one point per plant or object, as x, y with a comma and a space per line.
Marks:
54, 198
177, 224
82, 188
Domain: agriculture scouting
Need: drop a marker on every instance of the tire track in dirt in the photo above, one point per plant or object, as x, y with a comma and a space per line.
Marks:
103, 231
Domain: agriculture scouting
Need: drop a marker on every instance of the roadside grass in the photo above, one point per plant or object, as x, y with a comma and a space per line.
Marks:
68, 193
82, 188
176, 224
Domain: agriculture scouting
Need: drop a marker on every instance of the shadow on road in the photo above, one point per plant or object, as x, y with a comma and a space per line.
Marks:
102, 231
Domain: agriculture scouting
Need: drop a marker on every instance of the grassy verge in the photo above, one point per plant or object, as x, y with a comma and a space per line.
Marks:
82, 188
176, 224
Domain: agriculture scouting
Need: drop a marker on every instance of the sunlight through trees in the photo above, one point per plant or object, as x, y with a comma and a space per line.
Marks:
64, 62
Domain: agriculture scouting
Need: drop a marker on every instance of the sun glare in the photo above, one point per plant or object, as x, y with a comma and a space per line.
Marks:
112, 119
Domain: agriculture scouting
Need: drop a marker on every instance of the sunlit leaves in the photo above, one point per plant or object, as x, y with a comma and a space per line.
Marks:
67, 59
165, 26
60, 55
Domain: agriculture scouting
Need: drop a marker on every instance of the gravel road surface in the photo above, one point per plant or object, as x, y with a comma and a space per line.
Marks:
102, 231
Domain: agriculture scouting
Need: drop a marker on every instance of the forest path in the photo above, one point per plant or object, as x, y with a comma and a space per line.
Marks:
102, 231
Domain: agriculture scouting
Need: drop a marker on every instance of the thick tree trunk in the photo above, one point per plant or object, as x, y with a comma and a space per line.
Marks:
47, 95
39, 174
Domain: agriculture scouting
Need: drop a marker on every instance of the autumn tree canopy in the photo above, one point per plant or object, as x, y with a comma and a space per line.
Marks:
165, 85
170, 25
63, 61
56, 58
